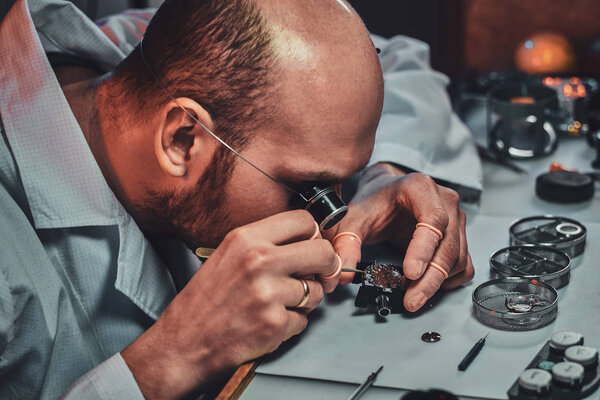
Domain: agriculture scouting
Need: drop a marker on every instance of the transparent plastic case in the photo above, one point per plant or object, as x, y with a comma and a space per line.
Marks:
515, 304
546, 264
551, 231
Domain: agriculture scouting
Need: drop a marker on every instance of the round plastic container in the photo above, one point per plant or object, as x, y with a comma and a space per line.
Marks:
546, 264
515, 304
550, 231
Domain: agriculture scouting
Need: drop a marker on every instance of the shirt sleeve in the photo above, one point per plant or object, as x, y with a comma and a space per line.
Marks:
110, 380
418, 129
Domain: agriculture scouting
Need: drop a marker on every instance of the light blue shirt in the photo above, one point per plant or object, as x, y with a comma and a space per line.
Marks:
78, 280
418, 128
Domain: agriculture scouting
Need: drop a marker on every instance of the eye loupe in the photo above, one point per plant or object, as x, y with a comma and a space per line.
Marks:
323, 203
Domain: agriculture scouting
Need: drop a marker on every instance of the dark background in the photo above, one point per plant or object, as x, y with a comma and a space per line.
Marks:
483, 34
435, 22
462, 34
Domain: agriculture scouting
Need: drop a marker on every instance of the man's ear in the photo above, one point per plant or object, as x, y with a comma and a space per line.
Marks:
178, 138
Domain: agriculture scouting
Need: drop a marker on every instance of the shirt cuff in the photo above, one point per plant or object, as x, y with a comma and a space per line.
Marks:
110, 380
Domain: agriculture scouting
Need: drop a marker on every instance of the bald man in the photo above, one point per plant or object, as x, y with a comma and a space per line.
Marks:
94, 164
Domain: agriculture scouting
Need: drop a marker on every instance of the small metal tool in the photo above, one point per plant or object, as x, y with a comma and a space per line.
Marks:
206, 252
496, 157
365, 385
359, 271
464, 364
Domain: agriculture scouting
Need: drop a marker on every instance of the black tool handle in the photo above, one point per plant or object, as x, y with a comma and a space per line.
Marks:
471, 355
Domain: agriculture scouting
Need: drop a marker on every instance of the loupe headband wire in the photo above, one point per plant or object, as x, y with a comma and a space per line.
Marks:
208, 130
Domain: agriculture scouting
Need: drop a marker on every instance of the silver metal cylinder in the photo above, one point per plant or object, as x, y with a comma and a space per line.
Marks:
383, 305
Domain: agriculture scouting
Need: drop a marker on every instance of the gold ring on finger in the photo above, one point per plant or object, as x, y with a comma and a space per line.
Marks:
304, 300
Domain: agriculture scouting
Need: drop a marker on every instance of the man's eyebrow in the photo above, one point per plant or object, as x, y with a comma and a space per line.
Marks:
330, 177
327, 177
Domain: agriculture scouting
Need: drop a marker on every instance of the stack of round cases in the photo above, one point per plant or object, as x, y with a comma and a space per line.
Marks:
515, 304
546, 264
550, 231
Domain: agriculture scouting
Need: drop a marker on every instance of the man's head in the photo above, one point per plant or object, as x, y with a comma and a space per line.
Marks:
294, 86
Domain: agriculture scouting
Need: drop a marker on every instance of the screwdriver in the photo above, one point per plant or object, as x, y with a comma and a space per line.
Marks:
365, 385
472, 354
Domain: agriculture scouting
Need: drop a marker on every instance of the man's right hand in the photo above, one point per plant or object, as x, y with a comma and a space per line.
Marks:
237, 307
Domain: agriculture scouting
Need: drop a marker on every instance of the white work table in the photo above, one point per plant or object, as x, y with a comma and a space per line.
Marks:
343, 344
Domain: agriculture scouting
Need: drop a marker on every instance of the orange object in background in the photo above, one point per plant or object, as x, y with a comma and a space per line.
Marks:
545, 53
559, 167
569, 88
522, 100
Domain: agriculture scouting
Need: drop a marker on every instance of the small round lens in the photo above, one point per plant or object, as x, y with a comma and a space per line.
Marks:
324, 204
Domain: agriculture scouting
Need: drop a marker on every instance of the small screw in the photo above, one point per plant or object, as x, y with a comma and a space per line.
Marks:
431, 337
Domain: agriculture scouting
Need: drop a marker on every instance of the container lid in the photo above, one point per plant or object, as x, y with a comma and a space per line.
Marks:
564, 187
583, 355
515, 303
550, 231
563, 340
546, 264
568, 372
535, 379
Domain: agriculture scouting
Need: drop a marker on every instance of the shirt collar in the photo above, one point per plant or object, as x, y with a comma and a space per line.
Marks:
63, 184
62, 181
64, 28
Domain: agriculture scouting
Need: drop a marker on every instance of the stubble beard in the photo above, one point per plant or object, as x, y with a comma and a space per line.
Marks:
199, 216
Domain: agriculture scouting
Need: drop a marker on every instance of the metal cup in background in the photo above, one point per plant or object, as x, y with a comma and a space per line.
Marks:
517, 124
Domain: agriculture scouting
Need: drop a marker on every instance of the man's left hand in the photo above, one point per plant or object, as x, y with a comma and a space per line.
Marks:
387, 206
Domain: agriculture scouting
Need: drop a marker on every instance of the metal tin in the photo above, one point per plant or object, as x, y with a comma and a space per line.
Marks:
546, 264
515, 304
557, 232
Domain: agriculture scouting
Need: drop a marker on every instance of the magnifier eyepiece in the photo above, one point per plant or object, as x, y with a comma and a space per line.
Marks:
323, 203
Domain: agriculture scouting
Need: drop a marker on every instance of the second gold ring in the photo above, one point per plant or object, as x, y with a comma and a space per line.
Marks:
304, 300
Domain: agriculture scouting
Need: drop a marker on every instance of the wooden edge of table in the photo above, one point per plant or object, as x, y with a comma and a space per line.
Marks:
237, 383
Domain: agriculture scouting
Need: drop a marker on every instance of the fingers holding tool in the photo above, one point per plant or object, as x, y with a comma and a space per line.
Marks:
348, 245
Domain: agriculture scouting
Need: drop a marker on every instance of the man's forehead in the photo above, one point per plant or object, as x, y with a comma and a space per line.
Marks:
328, 92
327, 146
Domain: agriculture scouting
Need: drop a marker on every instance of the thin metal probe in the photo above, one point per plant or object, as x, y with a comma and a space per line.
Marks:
206, 252
365, 385
353, 270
